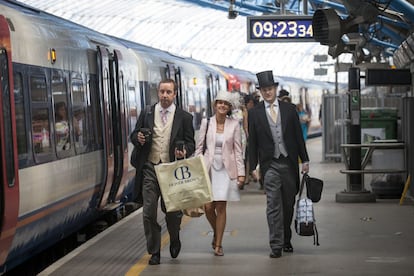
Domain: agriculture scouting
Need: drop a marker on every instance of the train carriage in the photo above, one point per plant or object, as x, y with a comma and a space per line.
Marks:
198, 83
66, 172
238, 80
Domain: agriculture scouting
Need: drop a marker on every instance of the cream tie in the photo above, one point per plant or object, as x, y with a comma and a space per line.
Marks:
273, 112
164, 116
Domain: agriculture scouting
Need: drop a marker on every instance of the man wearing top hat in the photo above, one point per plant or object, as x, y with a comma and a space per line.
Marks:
276, 142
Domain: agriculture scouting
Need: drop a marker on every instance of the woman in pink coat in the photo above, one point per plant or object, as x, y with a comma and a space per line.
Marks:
223, 157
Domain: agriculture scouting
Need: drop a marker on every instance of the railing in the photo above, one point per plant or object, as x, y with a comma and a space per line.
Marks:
367, 156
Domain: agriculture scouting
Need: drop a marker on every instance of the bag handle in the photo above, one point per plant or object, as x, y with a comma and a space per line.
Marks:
302, 183
205, 136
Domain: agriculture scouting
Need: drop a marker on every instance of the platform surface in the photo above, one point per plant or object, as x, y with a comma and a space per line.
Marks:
355, 239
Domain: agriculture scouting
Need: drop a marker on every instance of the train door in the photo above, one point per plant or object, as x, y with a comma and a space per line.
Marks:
9, 182
119, 126
175, 73
178, 80
211, 92
104, 82
115, 130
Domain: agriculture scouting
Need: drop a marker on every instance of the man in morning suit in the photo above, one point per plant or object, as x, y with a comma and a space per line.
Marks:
276, 142
167, 124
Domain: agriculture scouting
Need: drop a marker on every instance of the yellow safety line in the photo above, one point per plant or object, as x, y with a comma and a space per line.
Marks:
137, 268
406, 186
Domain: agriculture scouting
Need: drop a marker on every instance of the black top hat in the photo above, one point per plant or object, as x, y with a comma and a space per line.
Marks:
265, 79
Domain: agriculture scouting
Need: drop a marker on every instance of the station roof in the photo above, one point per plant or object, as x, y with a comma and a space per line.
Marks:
198, 29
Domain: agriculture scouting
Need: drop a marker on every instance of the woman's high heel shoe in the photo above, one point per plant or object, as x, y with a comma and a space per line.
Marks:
218, 251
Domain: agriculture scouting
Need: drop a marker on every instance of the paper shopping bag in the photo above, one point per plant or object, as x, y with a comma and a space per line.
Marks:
184, 183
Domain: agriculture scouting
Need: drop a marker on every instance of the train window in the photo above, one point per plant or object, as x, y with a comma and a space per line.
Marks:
185, 102
62, 127
41, 130
78, 91
20, 119
132, 107
38, 89
122, 104
152, 93
79, 113
94, 115
40, 115
59, 94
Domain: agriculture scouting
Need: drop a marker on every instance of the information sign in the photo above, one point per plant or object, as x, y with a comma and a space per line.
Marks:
279, 28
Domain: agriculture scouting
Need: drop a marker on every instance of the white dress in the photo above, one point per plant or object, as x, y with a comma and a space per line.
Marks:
222, 187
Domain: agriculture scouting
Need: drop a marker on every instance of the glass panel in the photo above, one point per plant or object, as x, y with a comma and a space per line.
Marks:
79, 123
78, 91
123, 95
59, 93
132, 107
41, 130
38, 88
20, 119
79, 113
95, 115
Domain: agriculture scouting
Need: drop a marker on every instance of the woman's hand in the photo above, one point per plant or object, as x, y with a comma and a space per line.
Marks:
240, 181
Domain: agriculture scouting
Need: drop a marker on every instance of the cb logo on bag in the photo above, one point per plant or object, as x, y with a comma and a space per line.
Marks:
182, 173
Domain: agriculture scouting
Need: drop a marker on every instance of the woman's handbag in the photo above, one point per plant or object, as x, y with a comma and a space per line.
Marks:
184, 183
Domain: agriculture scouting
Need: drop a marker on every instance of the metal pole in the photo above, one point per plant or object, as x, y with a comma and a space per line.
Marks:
305, 6
355, 191
354, 84
336, 77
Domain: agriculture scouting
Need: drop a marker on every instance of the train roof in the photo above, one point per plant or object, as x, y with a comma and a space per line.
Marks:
190, 30
36, 31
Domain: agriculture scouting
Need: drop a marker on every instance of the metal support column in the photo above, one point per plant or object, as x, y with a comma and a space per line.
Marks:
355, 191
408, 136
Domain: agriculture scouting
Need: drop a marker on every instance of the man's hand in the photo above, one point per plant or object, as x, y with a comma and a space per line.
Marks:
141, 138
180, 154
305, 167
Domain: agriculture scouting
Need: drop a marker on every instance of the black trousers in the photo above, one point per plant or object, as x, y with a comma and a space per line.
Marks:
151, 193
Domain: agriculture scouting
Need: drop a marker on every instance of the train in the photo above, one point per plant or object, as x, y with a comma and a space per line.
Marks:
58, 176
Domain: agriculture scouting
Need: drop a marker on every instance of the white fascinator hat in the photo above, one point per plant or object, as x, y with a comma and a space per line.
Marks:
233, 98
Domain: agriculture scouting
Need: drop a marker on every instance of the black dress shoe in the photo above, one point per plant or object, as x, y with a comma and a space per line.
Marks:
276, 254
155, 259
175, 248
288, 248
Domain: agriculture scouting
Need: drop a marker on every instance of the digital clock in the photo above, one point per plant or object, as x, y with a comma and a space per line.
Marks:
279, 29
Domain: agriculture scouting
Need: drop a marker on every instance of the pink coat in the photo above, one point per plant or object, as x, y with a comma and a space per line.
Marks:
232, 152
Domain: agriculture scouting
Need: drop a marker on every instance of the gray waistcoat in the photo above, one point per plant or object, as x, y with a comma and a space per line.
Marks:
276, 129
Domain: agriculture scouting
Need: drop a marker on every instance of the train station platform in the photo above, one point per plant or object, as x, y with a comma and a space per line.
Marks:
355, 239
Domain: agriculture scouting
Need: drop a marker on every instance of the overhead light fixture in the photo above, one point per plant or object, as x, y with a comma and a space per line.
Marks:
232, 10
328, 27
